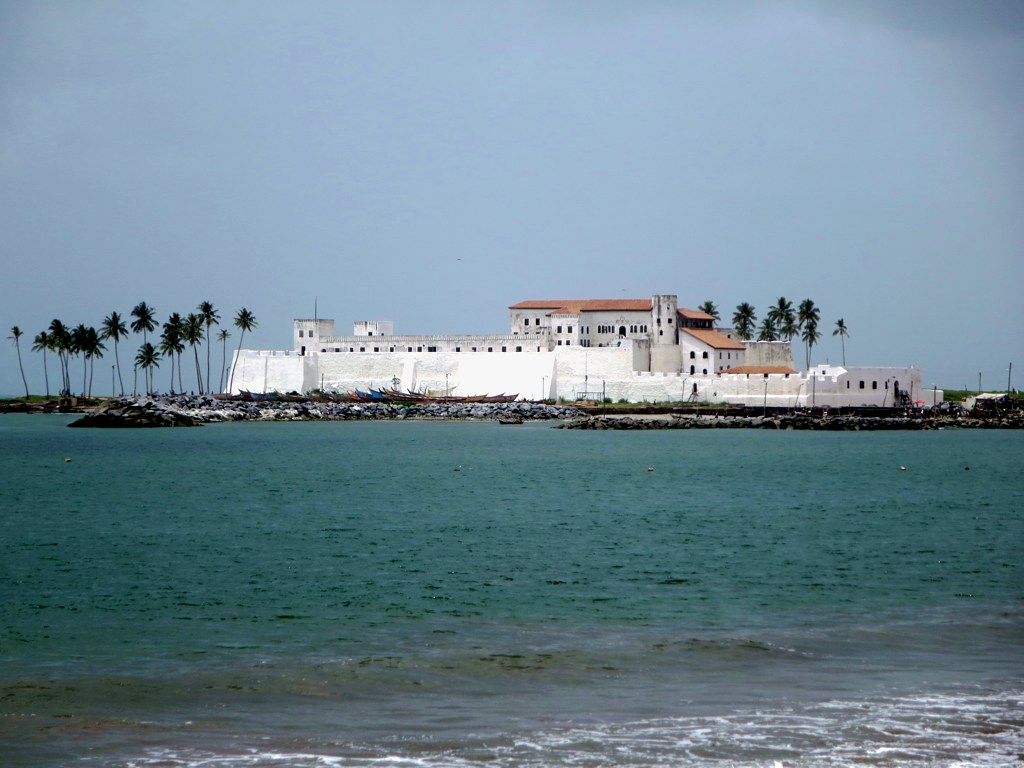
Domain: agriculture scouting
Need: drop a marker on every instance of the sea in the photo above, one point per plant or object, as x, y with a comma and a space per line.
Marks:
419, 594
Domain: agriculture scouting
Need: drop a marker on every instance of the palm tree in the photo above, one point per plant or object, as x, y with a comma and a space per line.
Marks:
744, 321
210, 318
79, 343
192, 332
842, 332
16, 334
114, 328
60, 339
146, 359
93, 348
41, 343
145, 320
807, 318
223, 336
767, 330
809, 335
783, 317
244, 321
170, 344
709, 308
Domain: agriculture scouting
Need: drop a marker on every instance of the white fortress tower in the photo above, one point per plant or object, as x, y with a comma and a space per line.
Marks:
665, 354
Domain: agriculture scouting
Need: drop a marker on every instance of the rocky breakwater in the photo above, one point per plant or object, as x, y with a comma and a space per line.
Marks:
135, 413
195, 410
796, 421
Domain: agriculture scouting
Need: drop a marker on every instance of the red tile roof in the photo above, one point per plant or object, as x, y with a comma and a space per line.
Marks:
575, 306
694, 314
713, 339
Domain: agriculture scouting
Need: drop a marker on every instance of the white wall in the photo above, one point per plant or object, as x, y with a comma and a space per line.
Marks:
566, 372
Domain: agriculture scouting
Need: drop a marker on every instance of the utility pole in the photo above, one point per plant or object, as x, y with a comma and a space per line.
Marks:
979, 381
1009, 376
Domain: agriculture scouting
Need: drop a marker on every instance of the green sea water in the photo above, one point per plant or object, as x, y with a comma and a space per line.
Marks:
442, 593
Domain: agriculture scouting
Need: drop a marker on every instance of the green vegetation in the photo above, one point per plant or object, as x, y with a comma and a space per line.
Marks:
86, 342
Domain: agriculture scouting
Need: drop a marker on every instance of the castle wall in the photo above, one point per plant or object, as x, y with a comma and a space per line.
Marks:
768, 353
569, 373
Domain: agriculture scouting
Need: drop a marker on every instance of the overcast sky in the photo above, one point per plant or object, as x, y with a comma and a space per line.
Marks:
432, 163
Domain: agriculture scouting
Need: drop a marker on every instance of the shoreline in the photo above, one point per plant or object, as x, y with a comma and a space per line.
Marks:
188, 410
196, 410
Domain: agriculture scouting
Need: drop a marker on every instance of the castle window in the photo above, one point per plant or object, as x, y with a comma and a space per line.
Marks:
351, 349
376, 349
693, 355
526, 321
559, 342
431, 349
504, 349
458, 349
862, 385
300, 333
362, 349
419, 349
569, 329
874, 385
408, 349
519, 349
705, 355
692, 370
568, 342
337, 349
669, 321
705, 371
391, 349
559, 329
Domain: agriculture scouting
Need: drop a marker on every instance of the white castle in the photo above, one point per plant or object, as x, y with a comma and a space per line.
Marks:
636, 350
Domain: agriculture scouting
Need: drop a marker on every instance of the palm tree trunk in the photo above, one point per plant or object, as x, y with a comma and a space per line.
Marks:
234, 365
199, 370
46, 375
21, 367
118, 361
223, 362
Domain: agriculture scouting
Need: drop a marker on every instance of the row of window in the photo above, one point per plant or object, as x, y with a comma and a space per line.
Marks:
420, 349
728, 355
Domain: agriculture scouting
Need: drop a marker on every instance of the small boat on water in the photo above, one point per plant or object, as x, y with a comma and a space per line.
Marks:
513, 419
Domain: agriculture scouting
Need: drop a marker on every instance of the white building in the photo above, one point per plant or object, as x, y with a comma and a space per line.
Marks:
635, 350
